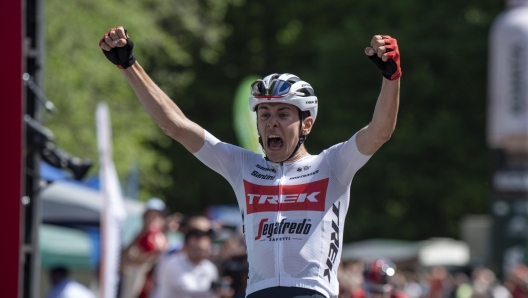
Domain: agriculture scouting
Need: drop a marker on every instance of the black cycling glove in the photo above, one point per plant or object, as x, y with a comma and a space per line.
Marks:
390, 69
123, 57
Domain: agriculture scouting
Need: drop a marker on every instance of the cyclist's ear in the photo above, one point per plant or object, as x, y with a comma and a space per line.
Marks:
307, 125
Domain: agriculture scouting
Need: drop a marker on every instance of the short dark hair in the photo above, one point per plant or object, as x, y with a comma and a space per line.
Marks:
196, 233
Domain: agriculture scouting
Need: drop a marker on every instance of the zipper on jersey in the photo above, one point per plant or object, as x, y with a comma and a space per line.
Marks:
279, 245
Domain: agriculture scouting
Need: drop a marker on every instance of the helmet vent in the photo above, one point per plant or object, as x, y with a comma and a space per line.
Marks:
306, 91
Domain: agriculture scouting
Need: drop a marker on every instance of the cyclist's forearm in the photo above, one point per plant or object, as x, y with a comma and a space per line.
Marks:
158, 105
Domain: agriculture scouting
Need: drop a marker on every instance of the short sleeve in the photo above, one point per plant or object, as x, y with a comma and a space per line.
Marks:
223, 158
345, 160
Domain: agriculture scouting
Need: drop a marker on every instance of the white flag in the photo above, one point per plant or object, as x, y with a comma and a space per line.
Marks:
113, 213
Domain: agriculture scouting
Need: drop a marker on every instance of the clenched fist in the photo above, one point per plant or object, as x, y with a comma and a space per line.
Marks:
384, 52
118, 48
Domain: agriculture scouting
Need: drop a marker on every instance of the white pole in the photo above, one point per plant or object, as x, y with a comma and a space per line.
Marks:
113, 212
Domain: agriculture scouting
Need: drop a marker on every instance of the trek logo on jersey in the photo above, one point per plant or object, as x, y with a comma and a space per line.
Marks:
265, 198
283, 230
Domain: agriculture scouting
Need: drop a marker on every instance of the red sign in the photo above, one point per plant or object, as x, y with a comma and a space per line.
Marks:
264, 198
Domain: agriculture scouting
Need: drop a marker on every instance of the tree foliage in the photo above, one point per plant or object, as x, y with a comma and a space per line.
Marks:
78, 76
432, 171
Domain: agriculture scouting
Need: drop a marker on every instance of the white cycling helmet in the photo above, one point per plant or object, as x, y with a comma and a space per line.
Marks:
286, 88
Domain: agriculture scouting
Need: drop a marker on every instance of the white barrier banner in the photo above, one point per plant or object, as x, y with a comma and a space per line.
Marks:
113, 213
508, 81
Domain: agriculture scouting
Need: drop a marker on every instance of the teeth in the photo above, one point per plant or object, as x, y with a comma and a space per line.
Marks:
274, 137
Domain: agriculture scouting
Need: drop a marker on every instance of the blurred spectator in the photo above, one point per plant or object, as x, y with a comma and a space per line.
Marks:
139, 258
462, 287
485, 285
378, 280
198, 222
346, 288
355, 270
184, 224
437, 280
188, 273
412, 286
172, 229
179, 224
350, 278
517, 281
234, 266
65, 287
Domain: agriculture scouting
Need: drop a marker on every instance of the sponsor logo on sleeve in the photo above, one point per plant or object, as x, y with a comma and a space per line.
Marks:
265, 198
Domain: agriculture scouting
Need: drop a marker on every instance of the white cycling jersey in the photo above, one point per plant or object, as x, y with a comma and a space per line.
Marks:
293, 212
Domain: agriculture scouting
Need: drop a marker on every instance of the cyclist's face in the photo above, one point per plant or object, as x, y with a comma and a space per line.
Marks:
278, 125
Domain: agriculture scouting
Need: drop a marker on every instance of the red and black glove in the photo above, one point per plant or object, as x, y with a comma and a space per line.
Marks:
390, 69
123, 56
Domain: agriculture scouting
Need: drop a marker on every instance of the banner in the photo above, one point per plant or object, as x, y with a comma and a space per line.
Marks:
113, 213
507, 135
508, 81
244, 120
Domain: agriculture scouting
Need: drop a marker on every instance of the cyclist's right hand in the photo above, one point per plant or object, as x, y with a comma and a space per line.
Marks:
118, 48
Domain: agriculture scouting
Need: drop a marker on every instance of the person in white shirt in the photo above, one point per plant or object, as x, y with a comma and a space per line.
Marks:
188, 273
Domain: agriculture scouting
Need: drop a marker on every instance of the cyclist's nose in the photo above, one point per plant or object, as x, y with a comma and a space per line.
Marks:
272, 122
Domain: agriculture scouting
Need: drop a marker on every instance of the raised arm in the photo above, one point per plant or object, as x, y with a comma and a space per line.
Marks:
383, 51
117, 47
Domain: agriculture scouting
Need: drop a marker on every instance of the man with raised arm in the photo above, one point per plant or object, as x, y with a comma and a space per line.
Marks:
293, 204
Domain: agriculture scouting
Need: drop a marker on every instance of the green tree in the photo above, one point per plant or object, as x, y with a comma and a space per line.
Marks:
78, 76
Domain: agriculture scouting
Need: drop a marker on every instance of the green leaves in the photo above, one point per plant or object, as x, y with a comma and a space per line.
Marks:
78, 76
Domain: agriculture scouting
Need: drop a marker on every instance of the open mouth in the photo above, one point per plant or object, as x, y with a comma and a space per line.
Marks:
274, 142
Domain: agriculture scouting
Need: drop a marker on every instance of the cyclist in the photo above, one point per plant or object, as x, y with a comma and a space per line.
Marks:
293, 204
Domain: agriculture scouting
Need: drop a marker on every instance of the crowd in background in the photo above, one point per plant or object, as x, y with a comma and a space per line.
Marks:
439, 282
175, 255
190, 256
218, 266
